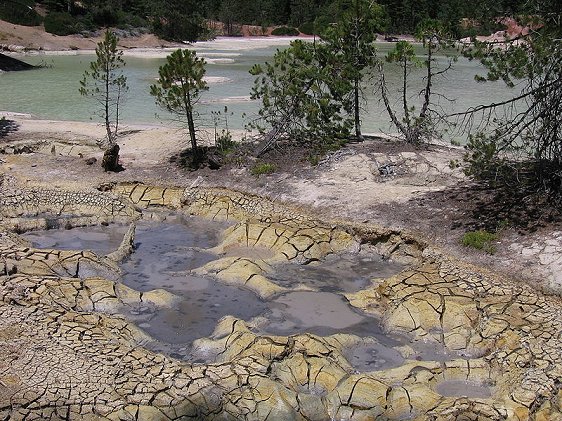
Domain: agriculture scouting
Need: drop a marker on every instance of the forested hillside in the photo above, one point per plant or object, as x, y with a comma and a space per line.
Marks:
185, 19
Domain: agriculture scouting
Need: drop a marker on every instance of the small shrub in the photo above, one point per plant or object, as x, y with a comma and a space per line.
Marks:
264, 168
285, 31
314, 159
223, 139
224, 142
60, 23
502, 225
481, 240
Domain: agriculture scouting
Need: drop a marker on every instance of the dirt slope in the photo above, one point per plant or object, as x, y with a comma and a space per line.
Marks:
16, 38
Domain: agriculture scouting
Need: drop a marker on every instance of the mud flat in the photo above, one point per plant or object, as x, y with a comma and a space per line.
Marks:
461, 343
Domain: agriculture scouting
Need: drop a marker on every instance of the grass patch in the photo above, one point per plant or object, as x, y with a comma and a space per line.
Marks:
264, 168
481, 240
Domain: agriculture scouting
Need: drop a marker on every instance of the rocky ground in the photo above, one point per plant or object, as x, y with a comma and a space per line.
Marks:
67, 354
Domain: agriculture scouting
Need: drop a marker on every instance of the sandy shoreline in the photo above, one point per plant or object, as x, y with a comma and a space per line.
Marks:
28, 123
33, 40
221, 46
205, 48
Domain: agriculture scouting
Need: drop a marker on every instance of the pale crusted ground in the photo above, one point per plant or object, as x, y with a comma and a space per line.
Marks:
347, 185
66, 353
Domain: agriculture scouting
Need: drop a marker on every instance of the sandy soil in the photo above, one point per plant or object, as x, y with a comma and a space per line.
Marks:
28, 39
17, 38
420, 194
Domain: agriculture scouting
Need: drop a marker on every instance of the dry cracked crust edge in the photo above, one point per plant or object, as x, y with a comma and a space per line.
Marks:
64, 358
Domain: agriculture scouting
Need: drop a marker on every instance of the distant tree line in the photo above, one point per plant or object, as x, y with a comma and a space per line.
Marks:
185, 19
402, 16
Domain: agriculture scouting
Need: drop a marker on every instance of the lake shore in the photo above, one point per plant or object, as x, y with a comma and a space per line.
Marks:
34, 40
220, 43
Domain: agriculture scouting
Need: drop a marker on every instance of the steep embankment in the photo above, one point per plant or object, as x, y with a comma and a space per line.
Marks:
8, 64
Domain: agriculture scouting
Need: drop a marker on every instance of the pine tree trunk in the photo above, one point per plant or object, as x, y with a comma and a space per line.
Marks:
358, 134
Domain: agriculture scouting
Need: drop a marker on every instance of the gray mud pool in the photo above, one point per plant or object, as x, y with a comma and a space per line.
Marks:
464, 388
169, 246
338, 273
99, 239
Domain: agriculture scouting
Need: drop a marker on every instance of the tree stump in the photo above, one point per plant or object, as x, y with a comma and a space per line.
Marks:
110, 160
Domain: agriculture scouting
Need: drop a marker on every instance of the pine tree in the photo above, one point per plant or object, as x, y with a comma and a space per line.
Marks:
105, 82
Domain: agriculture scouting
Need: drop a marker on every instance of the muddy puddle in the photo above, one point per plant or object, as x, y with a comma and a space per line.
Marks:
321, 313
464, 388
373, 356
202, 303
169, 246
99, 239
167, 249
339, 273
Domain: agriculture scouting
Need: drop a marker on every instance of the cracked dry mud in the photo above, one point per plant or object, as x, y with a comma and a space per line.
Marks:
66, 353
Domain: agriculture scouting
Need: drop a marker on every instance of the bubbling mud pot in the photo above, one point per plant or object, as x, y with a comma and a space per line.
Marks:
231, 306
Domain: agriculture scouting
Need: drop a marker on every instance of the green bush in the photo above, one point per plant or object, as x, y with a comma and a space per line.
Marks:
307, 28
264, 168
224, 142
19, 13
60, 23
285, 30
176, 26
129, 21
481, 240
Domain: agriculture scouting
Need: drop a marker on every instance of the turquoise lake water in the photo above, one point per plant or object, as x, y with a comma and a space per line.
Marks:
52, 92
